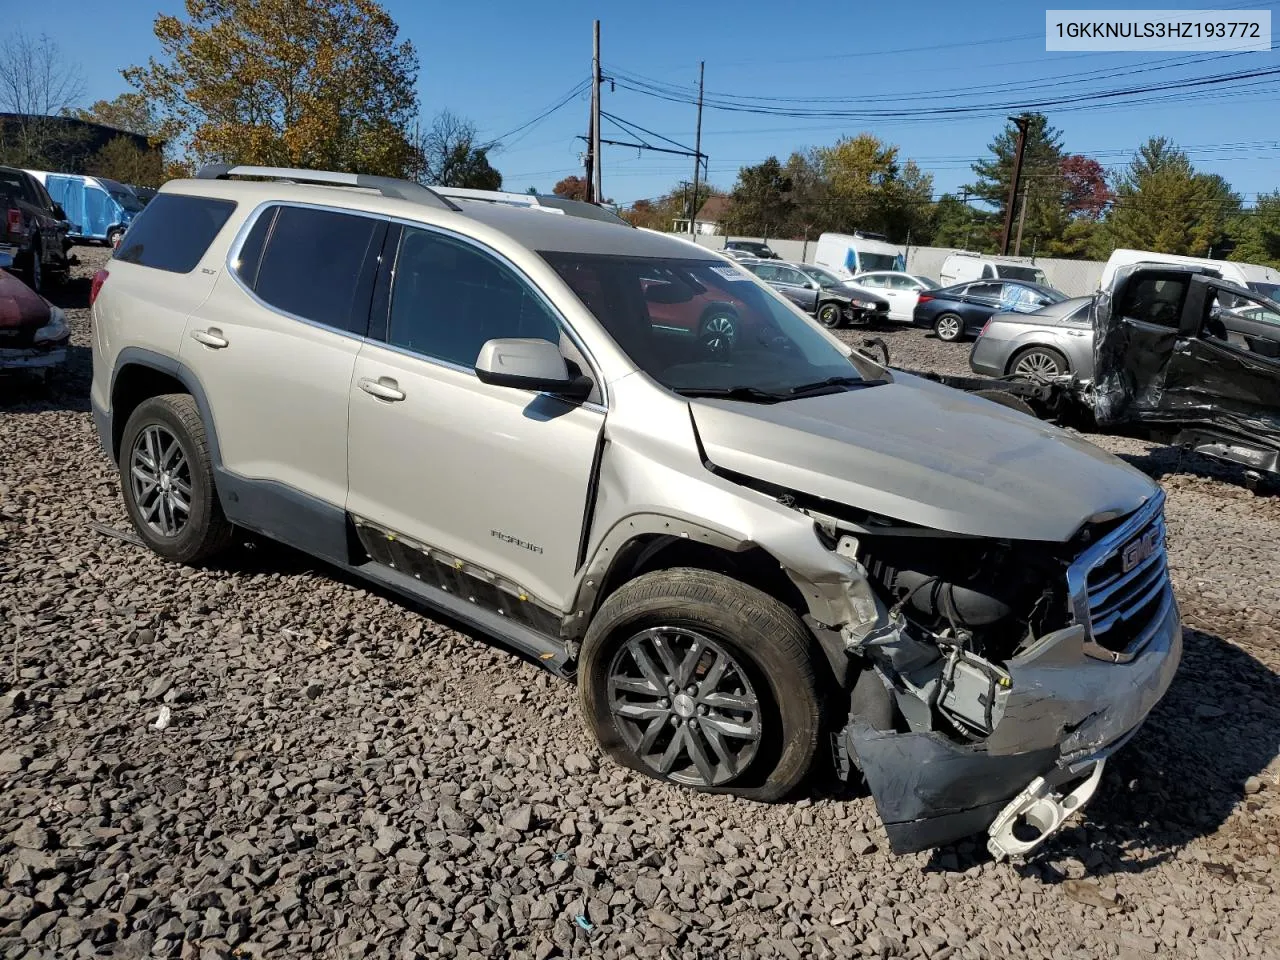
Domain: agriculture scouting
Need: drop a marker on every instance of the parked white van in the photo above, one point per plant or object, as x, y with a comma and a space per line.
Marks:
1251, 276
845, 254
962, 266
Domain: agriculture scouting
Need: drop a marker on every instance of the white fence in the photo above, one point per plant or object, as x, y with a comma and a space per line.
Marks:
1073, 277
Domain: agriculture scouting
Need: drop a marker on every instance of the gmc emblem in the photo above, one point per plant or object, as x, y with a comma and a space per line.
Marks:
1140, 549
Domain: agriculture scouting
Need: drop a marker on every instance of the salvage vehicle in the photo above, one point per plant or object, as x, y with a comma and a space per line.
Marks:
746, 557
821, 293
1178, 353
33, 332
959, 311
34, 229
98, 208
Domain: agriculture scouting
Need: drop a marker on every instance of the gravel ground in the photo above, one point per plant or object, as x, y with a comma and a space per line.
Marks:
340, 777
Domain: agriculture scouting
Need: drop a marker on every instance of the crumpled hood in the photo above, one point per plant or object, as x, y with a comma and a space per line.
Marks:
927, 454
20, 306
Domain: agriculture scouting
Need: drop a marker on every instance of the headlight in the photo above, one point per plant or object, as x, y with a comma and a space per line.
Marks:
56, 329
861, 304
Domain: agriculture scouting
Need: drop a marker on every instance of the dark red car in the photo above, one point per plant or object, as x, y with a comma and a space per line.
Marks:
33, 332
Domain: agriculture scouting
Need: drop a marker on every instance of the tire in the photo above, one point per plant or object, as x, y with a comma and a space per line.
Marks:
718, 331
1039, 361
772, 666
113, 237
829, 315
949, 327
205, 530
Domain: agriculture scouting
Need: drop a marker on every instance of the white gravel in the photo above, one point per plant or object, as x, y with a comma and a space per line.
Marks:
340, 777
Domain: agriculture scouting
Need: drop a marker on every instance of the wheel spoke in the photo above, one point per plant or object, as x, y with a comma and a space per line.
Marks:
716, 739
684, 675
672, 753
651, 734
645, 662
182, 487
667, 653
698, 753
729, 728
645, 687
728, 701
716, 672
635, 711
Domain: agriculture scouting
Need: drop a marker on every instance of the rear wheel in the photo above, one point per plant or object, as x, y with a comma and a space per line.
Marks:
719, 331
829, 314
1038, 362
33, 275
695, 678
949, 327
166, 476
113, 237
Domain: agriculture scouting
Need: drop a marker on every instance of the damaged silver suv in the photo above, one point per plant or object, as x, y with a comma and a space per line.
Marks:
637, 464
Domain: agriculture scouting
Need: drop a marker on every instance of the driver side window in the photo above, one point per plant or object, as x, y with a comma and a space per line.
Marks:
1243, 322
1155, 300
449, 298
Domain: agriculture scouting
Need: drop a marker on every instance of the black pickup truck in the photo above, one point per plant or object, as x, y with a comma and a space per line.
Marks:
33, 229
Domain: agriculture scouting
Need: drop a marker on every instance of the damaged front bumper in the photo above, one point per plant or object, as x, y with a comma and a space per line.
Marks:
1062, 707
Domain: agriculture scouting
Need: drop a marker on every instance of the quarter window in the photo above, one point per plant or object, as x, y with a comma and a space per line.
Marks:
173, 232
448, 299
316, 264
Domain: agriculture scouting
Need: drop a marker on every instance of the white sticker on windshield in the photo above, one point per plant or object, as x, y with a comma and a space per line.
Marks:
729, 273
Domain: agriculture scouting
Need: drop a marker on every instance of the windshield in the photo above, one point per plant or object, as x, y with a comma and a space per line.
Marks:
1030, 274
125, 197
701, 326
824, 277
1269, 290
877, 261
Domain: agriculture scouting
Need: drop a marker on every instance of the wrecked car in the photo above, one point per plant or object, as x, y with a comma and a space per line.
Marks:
1193, 359
754, 553
33, 332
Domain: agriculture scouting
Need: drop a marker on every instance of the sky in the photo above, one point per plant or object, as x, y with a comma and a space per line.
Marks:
502, 63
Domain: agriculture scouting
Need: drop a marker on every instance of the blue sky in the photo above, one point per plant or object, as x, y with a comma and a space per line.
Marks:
502, 63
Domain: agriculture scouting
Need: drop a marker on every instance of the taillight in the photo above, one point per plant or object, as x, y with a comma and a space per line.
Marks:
13, 220
99, 279
983, 331
924, 298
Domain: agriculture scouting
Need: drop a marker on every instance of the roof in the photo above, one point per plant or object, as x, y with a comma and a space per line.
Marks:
530, 228
715, 210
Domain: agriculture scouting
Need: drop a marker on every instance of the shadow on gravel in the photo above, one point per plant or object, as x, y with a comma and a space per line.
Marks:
1180, 779
1161, 462
62, 388
71, 295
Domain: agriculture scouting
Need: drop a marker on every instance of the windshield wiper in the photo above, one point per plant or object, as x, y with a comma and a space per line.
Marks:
750, 394
834, 382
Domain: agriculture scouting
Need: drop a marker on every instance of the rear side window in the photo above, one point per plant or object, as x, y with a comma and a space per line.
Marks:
316, 264
173, 232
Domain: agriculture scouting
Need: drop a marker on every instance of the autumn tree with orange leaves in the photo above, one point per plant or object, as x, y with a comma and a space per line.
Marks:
322, 84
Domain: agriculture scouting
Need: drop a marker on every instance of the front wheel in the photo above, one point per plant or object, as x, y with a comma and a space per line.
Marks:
949, 327
829, 315
1038, 363
113, 237
34, 272
719, 332
695, 678
166, 476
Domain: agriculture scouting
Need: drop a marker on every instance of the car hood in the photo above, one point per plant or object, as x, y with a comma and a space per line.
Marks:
926, 454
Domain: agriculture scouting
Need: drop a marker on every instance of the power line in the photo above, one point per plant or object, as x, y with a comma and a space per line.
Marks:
528, 125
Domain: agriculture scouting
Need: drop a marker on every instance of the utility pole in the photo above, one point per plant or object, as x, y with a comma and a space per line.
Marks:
968, 220
597, 193
1022, 219
1022, 122
697, 154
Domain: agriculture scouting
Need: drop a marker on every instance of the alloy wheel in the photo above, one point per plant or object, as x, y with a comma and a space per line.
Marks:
1036, 364
160, 477
685, 706
719, 332
949, 328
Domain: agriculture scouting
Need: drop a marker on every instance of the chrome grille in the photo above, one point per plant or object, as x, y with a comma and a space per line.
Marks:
1119, 587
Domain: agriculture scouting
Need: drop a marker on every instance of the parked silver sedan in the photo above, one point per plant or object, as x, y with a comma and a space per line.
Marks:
1053, 341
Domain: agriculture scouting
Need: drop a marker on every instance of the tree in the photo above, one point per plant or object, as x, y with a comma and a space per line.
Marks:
37, 85
761, 200
295, 83
129, 111
572, 188
450, 156
956, 223
122, 159
1085, 189
1162, 204
1041, 177
1256, 233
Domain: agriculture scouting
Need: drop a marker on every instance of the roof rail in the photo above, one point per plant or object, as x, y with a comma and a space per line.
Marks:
386, 186
547, 203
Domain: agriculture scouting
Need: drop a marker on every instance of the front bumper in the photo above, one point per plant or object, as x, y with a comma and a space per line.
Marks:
33, 358
1062, 711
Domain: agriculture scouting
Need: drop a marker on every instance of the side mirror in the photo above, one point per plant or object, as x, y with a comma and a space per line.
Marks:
529, 364
59, 212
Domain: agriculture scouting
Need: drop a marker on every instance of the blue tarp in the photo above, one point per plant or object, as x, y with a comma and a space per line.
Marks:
94, 205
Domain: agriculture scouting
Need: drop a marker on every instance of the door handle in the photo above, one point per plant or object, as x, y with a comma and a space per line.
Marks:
384, 388
210, 338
